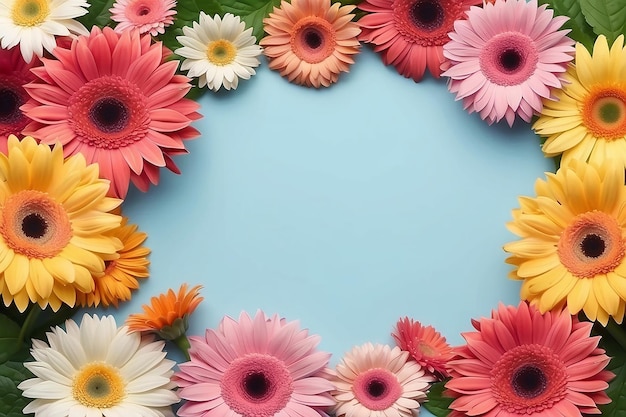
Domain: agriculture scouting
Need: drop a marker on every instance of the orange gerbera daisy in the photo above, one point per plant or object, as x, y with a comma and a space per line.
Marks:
121, 269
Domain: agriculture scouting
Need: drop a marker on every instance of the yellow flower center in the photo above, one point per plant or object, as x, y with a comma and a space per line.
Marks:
98, 385
221, 52
30, 12
604, 113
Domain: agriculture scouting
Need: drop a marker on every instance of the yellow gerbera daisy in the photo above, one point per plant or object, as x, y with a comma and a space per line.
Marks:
573, 247
587, 120
54, 220
121, 269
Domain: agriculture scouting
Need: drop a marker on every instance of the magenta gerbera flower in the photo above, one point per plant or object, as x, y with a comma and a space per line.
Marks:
151, 16
111, 97
257, 367
505, 57
522, 362
410, 34
14, 73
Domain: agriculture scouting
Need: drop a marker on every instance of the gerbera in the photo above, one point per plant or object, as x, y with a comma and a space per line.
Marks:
311, 41
410, 34
572, 248
506, 57
14, 73
219, 51
122, 269
33, 24
377, 381
425, 344
522, 362
117, 103
54, 224
97, 369
151, 16
588, 120
261, 366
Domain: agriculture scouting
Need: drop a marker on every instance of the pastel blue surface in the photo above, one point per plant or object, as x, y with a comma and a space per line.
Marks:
344, 208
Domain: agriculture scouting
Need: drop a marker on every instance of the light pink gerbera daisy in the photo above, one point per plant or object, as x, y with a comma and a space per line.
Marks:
111, 97
410, 34
505, 57
425, 344
14, 73
522, 362
257, 367
151, 16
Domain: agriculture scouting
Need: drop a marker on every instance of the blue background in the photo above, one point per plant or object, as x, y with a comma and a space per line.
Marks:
344, 208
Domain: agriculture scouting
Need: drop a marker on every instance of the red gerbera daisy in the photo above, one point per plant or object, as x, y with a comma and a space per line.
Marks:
410, 34
111, 97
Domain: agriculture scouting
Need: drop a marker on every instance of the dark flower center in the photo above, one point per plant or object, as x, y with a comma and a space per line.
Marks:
510, 60
592, 245
109, 115
529, 381
34, 225
256, 385
313, 38
427, 14
143, 11
376, 388
9, 105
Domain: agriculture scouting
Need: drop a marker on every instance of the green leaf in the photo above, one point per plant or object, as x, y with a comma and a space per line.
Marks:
252, 12
607, 17
9, 338
438, 404
98, 15
11, 401
581, 31
617, 387
187, 12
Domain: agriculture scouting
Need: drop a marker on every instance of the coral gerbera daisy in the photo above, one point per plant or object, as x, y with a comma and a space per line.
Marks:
425, 344
122, 269
261, 366
572, 249
311, 41
151, 16
505, 57
33, 24
522, 362
377, 381
219, 51
97, 369
410, 34
54, 224
117, 103
588, 119
14, 73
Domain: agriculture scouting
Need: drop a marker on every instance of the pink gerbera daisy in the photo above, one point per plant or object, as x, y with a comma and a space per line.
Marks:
505, 57
425, 344
257, 367
410, 34
522, 362
151, 16
111, 97
14, 73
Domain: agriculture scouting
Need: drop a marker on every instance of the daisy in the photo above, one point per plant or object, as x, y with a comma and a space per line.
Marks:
33, 24
117, 103
522, 362
425, 344
151, 16
311, 41
122, 269
97, 369
410, 34
506, 57
588, 120
376, 380
260, 366
219, 51
54, 225
572, 249
14, 73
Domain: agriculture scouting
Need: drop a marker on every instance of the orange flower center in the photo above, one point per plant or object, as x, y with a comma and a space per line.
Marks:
604, 113
592, 244
34, 225
313, 39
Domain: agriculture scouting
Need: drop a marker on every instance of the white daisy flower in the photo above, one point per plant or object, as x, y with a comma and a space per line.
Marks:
96, 369
219, 51
33, 24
